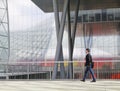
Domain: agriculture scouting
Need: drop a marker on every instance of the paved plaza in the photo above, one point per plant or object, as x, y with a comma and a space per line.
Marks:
103, 85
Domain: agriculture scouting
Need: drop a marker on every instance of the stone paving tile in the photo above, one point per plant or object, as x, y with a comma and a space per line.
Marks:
59, 86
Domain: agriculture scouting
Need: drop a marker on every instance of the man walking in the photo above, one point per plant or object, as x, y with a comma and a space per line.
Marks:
88, 65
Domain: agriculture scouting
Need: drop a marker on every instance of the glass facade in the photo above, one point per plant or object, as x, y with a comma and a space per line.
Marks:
100, 33
34, 36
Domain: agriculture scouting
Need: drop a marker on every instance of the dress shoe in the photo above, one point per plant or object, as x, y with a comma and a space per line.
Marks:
83, 80
93, 81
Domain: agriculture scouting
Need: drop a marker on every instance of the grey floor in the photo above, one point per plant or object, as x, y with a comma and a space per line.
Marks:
103, 85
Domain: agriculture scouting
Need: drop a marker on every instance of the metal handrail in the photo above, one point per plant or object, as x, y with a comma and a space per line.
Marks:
56, 62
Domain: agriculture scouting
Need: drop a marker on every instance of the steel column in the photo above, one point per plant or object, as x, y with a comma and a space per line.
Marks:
57, 23
75, 22
60, 37
73, 36
118, 39
84, 35
88, 36
69, 73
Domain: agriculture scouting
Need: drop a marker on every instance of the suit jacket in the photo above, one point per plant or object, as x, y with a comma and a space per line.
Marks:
88, 60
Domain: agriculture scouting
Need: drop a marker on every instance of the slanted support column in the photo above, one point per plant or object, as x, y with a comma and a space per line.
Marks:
88, 35
57, 23
60, 37
84, 35
72, 39
69, 73
75, 22
118, 39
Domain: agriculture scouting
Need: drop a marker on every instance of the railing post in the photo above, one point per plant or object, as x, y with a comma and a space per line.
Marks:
73, 69
28, 71
97, 71
7, 77
50, 76
83, 70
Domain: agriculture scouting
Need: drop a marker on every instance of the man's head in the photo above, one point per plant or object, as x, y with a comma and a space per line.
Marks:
87, 50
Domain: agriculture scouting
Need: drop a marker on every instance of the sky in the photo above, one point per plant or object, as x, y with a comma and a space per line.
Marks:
23, 14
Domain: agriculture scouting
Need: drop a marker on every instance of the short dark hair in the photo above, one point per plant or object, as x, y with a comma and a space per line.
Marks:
87, 49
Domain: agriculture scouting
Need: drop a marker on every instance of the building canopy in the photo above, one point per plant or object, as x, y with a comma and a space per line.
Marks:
47, 5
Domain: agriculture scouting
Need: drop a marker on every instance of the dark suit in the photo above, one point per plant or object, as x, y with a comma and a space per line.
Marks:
88, 60
88, 67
